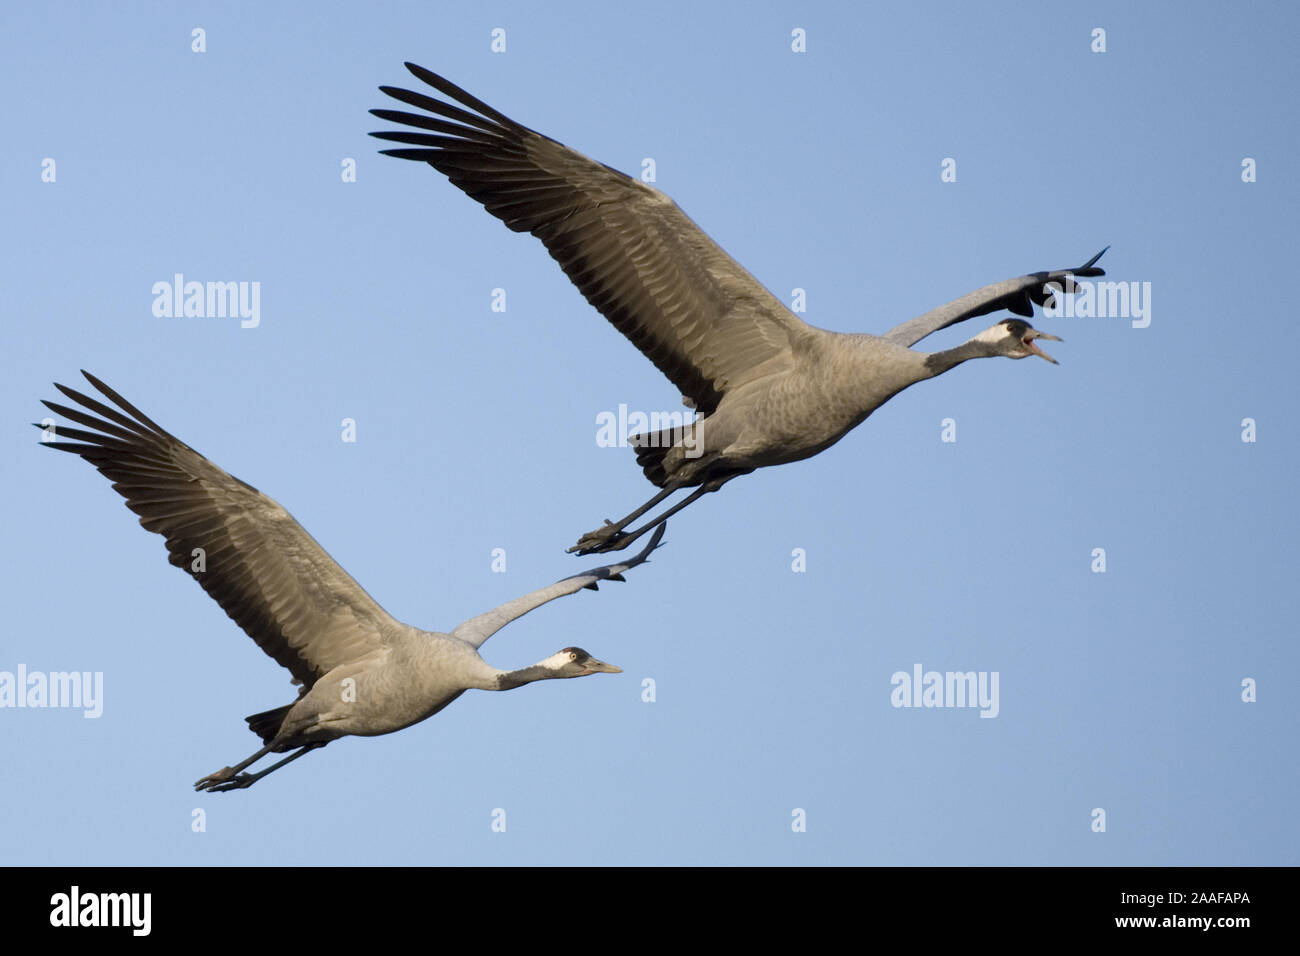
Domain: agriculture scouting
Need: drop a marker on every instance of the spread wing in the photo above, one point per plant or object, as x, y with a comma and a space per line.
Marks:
1016, 295
702, 319
478, 629
257, 562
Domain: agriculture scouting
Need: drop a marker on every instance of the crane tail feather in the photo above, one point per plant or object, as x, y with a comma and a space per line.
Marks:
651, 450
267, 724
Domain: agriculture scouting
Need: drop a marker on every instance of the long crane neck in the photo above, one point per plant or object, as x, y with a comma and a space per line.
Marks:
936, 363
866, 372
509, 680
471, 671
487, 677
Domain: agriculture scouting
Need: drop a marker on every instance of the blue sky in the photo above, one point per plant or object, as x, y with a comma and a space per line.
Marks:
476, 430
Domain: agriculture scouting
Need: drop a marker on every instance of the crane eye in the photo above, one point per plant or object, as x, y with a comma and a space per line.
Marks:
573, 656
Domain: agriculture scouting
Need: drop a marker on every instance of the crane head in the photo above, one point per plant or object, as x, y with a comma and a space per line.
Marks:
1014, 338
575, 662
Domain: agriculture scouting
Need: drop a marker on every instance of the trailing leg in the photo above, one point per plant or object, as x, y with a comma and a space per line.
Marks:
229, 778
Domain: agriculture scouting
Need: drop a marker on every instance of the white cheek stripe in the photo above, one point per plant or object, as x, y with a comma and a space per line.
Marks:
997, 334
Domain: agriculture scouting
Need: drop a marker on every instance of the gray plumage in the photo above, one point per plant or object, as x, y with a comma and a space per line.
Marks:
768, 388
362, 672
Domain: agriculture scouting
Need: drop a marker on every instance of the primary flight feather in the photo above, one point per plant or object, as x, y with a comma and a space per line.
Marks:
361, 671
768, 388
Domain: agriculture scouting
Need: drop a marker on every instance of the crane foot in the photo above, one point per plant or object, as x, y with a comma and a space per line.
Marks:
608, 538
240, 782
222, 775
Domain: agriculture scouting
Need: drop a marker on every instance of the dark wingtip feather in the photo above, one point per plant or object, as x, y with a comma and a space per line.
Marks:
123, 404
448, 88
419, 155
72, 447
1090, 267
108, 412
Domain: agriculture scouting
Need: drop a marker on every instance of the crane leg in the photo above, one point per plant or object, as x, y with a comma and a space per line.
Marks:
592, 541
225, 773
229, 778
618, 540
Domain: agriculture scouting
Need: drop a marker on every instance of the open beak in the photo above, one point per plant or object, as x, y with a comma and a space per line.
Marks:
594, 666
1028, 342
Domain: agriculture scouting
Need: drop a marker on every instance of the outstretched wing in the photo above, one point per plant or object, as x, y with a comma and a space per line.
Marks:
478, 629
1016, 295
256, 561
702, 319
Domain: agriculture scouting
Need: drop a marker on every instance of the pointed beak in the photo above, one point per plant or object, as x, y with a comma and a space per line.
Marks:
1035, 334
594, 666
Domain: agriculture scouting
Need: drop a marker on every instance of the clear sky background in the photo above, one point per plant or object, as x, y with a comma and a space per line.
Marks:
476, 430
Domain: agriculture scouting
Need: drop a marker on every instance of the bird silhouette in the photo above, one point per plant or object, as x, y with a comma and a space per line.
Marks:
767, 387
361, 671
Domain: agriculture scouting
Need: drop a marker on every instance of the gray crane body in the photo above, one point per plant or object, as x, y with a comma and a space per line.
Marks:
360, 671
769, 388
